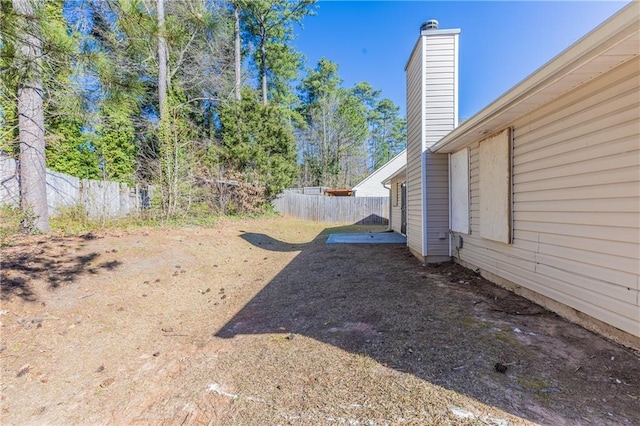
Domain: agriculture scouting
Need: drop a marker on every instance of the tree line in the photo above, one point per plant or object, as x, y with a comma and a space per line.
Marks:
207, 100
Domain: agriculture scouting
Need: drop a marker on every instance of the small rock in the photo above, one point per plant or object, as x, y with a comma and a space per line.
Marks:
24, 370
100, 369
517, 330
290, 336
156, 354
500, 368
460, 413
107, 382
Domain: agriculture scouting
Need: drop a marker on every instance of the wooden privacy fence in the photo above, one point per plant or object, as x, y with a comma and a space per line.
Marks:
101, 199
318, 208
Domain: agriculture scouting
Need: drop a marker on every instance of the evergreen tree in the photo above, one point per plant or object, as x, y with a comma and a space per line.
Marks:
262, 142
268, 25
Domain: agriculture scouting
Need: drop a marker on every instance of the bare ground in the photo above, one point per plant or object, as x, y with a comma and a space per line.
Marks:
261, 322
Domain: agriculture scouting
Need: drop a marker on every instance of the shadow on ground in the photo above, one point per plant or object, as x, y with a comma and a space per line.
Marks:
51, 260
447, 326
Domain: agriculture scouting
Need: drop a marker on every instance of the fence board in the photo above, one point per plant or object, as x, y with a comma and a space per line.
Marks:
101, 199
317, 208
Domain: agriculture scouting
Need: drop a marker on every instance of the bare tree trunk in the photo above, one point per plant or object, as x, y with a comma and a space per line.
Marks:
164, 134
238, 56
33, 182
263, 66
162, 62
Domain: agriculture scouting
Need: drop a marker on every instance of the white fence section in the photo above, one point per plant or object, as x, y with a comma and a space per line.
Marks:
101, 199
352, 210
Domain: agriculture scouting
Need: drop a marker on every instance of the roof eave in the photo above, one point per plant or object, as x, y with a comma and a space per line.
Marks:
400, 171
618, 28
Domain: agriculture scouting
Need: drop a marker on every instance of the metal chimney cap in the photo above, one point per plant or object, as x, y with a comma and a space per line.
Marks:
431, 24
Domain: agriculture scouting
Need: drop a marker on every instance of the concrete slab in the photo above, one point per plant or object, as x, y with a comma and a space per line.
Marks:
367, 238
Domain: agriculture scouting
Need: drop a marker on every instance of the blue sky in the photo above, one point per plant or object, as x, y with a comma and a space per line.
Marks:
501, 42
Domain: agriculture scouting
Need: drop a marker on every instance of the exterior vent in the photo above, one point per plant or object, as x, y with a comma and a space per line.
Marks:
431, 24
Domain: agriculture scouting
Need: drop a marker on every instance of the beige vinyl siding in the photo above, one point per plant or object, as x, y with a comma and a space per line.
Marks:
437, 171
431, 114
396, 207
414, 150
576, 201
439, 81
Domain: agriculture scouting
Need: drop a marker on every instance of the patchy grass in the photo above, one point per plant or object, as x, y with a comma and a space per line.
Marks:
259, 321
10, 223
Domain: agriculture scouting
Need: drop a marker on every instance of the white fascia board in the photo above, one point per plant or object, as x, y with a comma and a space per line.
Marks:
616, 29
401, 171
452, 31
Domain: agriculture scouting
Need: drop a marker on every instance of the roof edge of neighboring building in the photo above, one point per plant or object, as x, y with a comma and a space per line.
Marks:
620, 27
379, 169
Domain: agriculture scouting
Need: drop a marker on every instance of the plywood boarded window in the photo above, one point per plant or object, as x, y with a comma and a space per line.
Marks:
495, 187
459, 167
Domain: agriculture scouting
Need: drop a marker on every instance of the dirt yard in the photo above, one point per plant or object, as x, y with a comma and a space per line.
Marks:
261, 322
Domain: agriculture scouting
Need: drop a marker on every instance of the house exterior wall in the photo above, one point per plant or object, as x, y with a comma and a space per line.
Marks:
396, 202
437, 208
440, 84
576, 203
432, 112
414, 150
